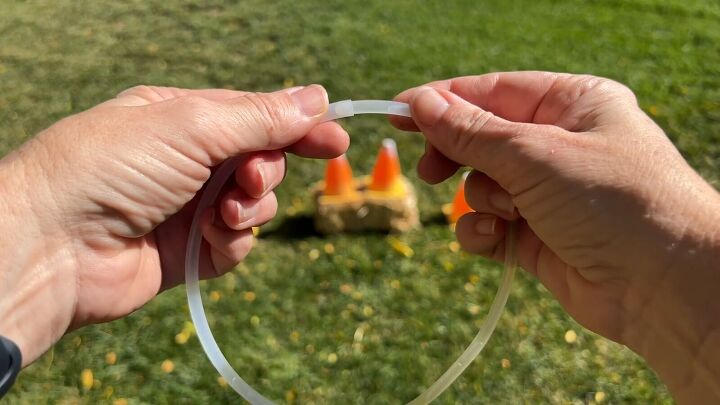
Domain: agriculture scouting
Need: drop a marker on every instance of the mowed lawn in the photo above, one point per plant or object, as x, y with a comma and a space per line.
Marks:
360, 318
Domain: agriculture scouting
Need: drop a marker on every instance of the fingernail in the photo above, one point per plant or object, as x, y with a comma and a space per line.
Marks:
428, 106
502, 202
311, 100
485, 226
267, 174
246, 213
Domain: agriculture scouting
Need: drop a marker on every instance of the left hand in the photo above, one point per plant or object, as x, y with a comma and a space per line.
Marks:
96, 209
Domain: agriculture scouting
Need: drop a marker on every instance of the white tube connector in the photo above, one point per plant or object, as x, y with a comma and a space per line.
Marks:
349, 108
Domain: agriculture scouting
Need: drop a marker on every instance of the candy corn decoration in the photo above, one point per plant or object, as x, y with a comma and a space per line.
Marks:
459, 206
386, 175
339, 178
385, 200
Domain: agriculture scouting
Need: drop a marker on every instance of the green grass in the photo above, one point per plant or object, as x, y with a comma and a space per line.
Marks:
60, 57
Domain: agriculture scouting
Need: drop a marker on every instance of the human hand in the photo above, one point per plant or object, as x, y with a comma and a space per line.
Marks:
612, 220
97, 208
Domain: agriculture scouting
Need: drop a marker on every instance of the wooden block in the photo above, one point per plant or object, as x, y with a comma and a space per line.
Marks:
367, 210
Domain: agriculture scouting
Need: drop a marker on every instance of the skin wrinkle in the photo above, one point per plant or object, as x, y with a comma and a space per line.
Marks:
278, 117
210, 132
184, 164
690, 374
134, 165
553, 83
132, 221
191, 131
169, 196
185, 189
468, 128
46, 203
155, 189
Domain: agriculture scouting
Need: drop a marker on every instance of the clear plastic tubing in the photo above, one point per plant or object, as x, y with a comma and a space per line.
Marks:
340, 109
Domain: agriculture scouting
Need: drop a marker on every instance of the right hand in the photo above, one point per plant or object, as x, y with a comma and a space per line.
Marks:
613, 221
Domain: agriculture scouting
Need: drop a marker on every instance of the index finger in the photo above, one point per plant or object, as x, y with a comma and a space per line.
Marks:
514, 96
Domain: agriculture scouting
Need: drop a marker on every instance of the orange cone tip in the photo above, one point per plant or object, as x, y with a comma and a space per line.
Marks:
460, 206
339, 177
386, 174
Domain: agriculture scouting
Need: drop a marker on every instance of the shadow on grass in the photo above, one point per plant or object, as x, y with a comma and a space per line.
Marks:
292, 228
303, 227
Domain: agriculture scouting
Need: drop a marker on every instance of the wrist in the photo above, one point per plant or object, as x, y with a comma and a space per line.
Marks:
37, 281
677, 323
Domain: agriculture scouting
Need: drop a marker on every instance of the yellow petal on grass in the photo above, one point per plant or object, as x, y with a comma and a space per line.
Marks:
182, 338
313, 255
152, 48
570, 336
249, 296
110, 358
86, 379
290, 396
400, 246
329, 248
332, 358
215, 296
359, 334
368, 311
346, 289
254, 320
120, 401
167, 366
599, 397
295, 336
505, 363
454, 246
222, 382
395, 284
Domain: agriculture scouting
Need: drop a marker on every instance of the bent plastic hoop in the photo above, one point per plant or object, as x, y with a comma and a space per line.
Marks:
341, 109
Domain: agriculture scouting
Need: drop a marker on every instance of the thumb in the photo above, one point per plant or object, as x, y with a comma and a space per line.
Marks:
471, 136
222, 128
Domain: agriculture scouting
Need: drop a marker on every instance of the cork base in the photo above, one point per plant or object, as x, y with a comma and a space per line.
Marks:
367, 210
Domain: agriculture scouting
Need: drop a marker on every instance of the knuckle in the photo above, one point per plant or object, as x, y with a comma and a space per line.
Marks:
610, 88
145, 92
269, 113
194, 103
195, 110
241, 246
467, 125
